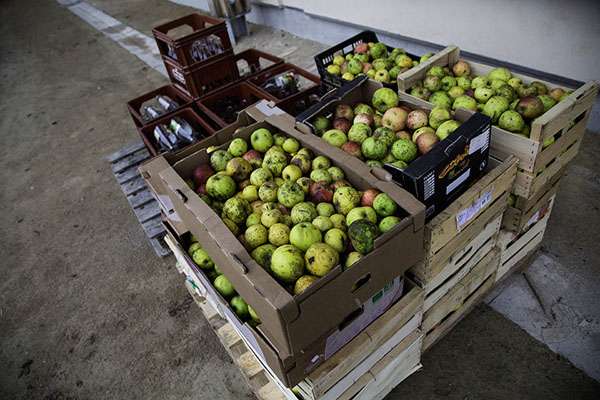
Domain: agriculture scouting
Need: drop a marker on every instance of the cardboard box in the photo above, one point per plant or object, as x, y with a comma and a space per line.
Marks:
293, 323
438, 177
257, 112
404, 295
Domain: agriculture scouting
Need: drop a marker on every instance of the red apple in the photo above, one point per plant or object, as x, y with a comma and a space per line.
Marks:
368, 197
344, 111
361, 48
403, 135
201, 174
338, 184
201, 190
320, 192
352, 148
254, 158
342, 124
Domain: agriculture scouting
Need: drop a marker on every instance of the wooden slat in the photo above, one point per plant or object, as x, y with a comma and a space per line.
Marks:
434, 263
457, 295
441, 229
548, 154
462, 263
527, 184
359, 348
129, 160
127, 174
390, 371
140, 198
133, 186
125, 151
504, 144
566, 110
515, 220
455, 317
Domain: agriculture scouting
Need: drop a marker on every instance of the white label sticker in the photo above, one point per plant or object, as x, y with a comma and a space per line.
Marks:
480, 142
267, 110
466, 215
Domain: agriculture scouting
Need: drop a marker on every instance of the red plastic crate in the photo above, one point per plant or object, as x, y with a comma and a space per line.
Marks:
310, 80
187, 114
180, 50
171, 91
211, 107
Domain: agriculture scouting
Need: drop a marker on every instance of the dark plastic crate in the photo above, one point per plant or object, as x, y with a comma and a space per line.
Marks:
205, 79
252, 62
210, 105
188, 114
323, 59
259, 80
296, 105
180, 50
171, 91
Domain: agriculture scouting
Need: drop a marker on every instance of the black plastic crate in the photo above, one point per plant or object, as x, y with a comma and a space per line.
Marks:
346, 47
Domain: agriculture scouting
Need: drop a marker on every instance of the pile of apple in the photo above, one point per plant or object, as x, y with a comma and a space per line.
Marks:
294, 212
373, 60
507, 100
385, 132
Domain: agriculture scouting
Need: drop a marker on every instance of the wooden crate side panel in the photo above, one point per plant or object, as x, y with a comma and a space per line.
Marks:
454, 273
352, 354
486, 231
451, 320
447, 56
459, 293
505, 144
527, 184
559, 116
399, 363
441, 229
553, 151
516, 220
519, 248
386, 378
438, 260
379, 353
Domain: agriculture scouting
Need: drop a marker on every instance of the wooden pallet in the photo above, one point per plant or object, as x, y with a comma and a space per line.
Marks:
124, 164
257, 378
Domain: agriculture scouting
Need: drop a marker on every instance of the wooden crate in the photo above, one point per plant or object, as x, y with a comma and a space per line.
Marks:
440, 318
566, 122
394, 338
462, 262
452, 229
515, 247
526, 212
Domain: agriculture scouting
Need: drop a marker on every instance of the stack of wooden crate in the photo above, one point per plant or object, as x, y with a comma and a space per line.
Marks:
554, 140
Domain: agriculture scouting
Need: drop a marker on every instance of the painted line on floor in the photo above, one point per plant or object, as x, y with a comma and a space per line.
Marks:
138, 44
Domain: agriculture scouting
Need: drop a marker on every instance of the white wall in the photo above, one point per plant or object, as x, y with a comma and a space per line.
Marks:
555, 36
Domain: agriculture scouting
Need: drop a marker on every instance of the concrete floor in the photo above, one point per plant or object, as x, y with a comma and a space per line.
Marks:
88, 311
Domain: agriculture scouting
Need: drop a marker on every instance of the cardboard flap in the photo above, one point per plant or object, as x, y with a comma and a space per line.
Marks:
263, 109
